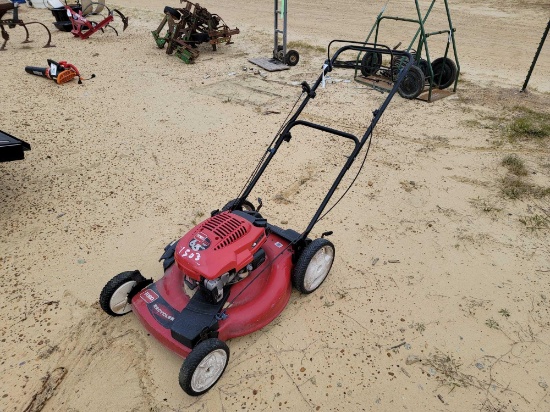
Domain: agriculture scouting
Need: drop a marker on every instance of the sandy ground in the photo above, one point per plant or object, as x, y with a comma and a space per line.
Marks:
439, 296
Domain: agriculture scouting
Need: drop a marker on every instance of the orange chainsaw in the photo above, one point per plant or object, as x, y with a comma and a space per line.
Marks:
60, 73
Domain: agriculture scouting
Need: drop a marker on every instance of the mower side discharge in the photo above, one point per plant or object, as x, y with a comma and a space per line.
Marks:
232, 274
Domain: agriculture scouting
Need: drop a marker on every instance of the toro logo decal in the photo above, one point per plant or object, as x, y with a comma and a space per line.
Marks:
149, 296
161, 310
199, 242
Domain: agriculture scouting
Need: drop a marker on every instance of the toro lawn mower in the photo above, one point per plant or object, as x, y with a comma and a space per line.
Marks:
232, 274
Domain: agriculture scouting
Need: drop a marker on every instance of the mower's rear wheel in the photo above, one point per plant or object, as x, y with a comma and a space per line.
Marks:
313, 265
114, 296
204, 366
246, 206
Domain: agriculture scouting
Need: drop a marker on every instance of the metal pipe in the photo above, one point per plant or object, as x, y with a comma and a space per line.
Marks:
536, 57
451, 34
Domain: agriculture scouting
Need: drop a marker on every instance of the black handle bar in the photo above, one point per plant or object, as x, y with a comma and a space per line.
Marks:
310, 94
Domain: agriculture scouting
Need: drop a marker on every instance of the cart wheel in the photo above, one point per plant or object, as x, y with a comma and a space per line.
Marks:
280, 56
423, 65
173, 12
413, 83
204, 366
292, 58
114, 296
313, 265
446, 69
370, 63
246, 206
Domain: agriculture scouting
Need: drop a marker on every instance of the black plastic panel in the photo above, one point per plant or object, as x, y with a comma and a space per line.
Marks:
199, 315
11, 148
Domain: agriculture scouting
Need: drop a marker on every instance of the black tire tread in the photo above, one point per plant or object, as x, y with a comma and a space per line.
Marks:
414, 77
113, 285
370, 67
194, 359
423, 65
451, 72
299, 271
245, 203
173, 12
292, 58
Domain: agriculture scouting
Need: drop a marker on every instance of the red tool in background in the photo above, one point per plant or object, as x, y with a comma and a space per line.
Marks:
60, 73
83, 27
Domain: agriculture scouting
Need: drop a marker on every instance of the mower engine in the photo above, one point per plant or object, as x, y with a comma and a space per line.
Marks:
221, 251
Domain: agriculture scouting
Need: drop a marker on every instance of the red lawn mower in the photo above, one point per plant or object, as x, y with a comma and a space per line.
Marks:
232, 274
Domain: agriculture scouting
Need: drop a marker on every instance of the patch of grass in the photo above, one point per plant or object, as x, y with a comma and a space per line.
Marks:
472, 123
493, 324
448, 371
529, 125
504, 312
198, 215
486, 122
514, 164
484, 205
302, 45
419, 327
513, 187
535, 222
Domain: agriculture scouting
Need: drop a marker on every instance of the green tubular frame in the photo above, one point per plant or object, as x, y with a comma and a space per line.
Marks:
422, 42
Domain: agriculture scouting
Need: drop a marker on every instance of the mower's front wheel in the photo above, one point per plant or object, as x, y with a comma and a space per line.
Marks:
204, 366
114, 296
313, 265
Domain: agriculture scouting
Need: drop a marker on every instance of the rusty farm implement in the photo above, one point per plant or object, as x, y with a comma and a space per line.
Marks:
15, 21
188, 27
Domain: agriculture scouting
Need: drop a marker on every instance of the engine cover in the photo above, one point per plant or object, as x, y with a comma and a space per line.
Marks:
224, 242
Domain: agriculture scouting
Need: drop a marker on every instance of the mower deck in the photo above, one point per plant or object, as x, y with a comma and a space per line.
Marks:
177, 320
